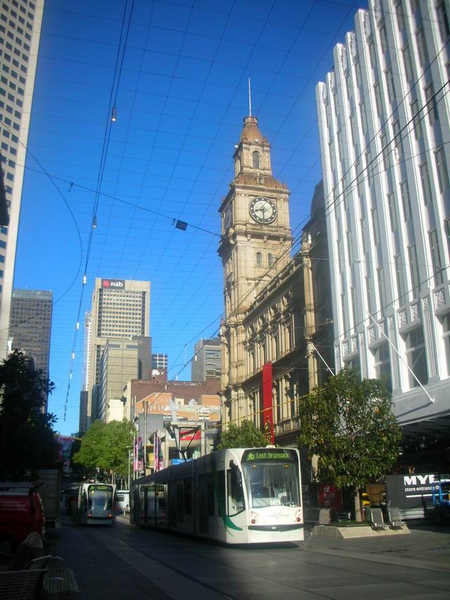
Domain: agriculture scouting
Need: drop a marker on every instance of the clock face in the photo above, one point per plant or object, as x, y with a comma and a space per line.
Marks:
263, 210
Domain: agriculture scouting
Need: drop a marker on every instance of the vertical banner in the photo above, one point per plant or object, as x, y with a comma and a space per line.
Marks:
267, 401
64, 449
158, 454
139, 464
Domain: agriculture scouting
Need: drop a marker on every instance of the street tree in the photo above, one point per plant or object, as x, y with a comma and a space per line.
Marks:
349, 424
245, 435
105, 448
27, 439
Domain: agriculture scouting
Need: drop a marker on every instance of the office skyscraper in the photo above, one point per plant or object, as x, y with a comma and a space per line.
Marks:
384, 125
20, 29
207, 362
120, 310
31, 325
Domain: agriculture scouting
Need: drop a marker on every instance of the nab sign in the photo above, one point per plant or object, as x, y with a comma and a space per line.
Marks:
116, 284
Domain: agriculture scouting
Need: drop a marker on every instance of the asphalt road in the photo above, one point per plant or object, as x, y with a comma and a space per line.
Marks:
125, 562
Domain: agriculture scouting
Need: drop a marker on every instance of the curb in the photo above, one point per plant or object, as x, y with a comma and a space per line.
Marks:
335, 532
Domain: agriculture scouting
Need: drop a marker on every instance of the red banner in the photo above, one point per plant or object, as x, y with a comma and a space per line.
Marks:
267, 401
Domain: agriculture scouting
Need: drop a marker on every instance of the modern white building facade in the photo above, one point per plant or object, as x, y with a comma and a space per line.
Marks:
20, 31
384, 117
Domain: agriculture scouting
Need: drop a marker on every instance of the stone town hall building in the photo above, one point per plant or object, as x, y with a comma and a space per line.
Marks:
272, 335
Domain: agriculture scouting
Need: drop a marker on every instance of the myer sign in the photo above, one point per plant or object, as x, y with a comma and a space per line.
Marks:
117, 284
409, 491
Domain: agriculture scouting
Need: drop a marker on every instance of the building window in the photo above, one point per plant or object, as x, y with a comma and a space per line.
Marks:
383, 364
344, 313
409, 71
400, 277
442, 172
369, 167
349, 247
375, 226
406, 201
442, 19
390, 85
271, 260
259, 260
400, 16
392, 211
417, 119
426, 186
446, 336
385, 151
436, 258
422, 47
432, 109
416, 357
398, 139
255, 159
414, 270
383, 39
381, 288
378, 99
447, 233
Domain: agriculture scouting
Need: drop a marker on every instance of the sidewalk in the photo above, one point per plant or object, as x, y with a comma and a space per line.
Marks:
426, 547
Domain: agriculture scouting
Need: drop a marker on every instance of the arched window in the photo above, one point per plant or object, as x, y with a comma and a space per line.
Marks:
255, 157
259, 259
271, 260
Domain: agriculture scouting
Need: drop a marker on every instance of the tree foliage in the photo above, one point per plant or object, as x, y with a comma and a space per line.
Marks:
349, 424
246, 435
104, 447
27, 440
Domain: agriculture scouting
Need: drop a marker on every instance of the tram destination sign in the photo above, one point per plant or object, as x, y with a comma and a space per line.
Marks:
269, 454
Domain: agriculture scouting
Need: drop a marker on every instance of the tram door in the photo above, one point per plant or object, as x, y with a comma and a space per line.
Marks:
203, 504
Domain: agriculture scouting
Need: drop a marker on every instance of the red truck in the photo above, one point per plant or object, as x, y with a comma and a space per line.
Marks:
21, 512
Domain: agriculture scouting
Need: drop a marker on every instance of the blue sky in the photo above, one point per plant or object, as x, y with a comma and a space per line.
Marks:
177, 74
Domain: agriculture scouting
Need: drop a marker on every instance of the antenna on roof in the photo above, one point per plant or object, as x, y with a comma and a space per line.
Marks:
249, 99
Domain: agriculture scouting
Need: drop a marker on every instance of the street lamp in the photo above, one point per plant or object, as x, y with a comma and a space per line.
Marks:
129, 448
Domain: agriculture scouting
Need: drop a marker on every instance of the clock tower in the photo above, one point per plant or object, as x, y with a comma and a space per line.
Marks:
255, 246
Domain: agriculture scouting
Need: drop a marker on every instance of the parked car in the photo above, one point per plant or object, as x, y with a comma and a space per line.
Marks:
21, 512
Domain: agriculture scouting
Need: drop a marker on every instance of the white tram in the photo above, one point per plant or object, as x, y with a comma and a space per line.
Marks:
95, 504
234, 496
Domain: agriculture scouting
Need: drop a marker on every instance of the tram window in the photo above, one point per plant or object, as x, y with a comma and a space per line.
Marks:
235, 494
188, 496
221, 492
210, 495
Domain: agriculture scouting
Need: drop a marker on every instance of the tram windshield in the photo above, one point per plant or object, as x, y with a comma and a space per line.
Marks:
272, 483
100, 497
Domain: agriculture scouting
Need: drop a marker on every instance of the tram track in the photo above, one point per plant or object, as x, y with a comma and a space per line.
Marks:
274, 587
163, 566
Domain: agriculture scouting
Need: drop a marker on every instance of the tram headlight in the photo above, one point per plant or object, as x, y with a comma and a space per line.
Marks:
298, 516
253, 518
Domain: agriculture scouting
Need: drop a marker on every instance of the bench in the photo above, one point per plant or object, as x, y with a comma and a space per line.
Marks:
28, 553
59, 583
376, 519
395, 520
23, 585
324, 516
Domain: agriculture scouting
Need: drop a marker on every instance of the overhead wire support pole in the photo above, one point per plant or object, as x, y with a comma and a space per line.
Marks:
401, 357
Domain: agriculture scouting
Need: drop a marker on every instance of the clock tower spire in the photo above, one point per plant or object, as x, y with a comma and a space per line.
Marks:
256, 239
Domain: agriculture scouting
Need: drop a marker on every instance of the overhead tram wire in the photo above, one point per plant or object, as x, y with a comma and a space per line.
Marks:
43, 170
216, 234
380, 129
112, 116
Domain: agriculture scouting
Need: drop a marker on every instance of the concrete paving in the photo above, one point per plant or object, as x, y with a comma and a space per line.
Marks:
425, 546
107, 566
